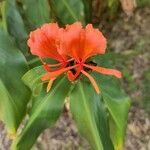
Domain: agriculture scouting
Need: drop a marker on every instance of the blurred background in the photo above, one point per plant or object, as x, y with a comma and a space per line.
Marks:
126, 24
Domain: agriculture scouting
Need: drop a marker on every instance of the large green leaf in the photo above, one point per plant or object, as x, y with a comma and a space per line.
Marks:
88, 10
15, 24
36, 12
90, 116
45, 111
68, 11
116, 101
14, 94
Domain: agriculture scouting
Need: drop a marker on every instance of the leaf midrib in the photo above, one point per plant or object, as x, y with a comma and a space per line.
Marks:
40, 106
92, 125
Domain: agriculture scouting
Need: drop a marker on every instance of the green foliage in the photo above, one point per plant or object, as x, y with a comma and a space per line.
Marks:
101, 119
68, 11
14, 94
44, 113
15, 24
36, 12
90, 116
32, 79
116, 101
88, 10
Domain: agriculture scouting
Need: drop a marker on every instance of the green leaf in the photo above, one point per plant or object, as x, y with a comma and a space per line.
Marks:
37, 12
88, 10
117, 102
15, 24
33, 79
90, 116
68, 11
44, 113
14, 94
142, 3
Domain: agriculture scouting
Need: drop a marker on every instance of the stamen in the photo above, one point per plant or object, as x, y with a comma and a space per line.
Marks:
54, 65
70, 60
61, 65
49, 65
106, 71
92, 80
50, 84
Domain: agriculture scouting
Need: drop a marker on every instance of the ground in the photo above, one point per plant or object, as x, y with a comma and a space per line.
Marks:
129, 38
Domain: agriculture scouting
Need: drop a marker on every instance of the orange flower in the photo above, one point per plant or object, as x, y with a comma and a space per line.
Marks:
45, 43
74, 42
81, 43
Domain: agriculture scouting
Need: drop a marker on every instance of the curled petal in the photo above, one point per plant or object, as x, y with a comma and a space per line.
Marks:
81, 43
106, 71
43, 42
52, 67
95, 42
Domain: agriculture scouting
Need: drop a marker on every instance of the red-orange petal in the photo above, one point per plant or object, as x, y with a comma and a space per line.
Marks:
81, 43
72, 41
106, 71
47, 68
43, 41
72, 76
95, 42
92, 80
